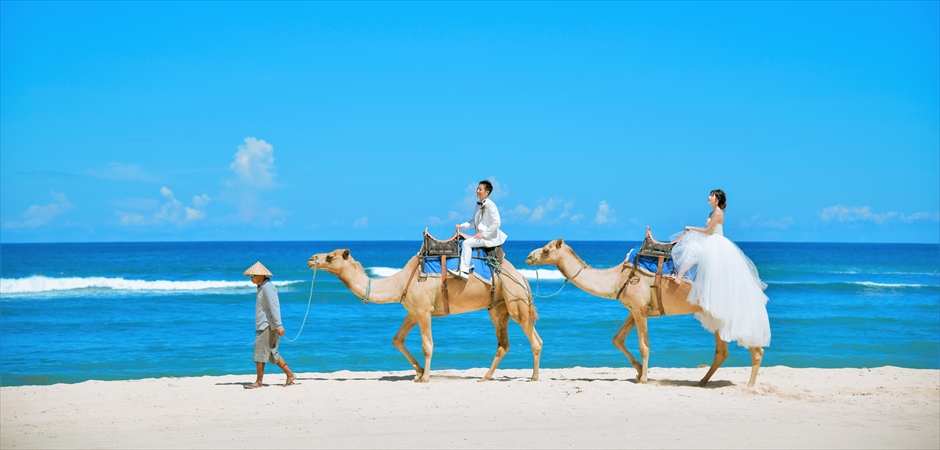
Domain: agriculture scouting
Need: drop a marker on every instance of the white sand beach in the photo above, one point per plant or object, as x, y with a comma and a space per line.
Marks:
886, 407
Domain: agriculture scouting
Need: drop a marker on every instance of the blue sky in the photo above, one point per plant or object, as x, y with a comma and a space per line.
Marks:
180, 121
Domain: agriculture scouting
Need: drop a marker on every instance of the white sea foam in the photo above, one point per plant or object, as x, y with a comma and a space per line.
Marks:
871, 284
543, 274
383, 272
888, 285
39, 284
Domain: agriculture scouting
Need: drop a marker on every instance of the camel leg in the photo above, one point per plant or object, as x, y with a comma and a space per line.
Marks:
500, 317
721, 354
643, 336
399, 342
427, 344
757, 355
619, 343
521, 313
536, 342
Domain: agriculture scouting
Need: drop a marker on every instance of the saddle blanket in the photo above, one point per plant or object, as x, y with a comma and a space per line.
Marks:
649, 264
478, 266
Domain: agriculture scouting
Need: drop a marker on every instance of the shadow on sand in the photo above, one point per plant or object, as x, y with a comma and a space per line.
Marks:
714, 384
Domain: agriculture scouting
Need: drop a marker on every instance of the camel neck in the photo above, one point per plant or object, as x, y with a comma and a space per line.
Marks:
600, 282
378, 290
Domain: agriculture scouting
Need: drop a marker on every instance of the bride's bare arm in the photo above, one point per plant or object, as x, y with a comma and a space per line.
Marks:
718, 216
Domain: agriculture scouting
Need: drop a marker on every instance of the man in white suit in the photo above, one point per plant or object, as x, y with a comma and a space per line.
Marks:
486, 226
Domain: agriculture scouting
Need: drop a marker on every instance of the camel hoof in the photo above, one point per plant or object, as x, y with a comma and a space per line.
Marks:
639, 371
481, 380
534, 378
702, 383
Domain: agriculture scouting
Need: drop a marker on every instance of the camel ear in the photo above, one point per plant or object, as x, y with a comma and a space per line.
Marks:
346, 254
559, 242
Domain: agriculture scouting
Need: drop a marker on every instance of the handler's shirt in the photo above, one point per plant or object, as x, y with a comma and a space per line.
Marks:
267, 307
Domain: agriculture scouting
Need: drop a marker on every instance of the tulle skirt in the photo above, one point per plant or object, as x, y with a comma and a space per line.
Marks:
727, 287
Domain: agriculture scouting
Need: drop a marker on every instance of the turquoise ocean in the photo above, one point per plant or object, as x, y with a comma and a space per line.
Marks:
115, 311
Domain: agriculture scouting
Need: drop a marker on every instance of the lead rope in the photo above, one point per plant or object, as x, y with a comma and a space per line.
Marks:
559, 289
309, 300
497, 267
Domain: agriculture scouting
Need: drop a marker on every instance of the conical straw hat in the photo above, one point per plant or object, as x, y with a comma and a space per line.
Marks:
258, 269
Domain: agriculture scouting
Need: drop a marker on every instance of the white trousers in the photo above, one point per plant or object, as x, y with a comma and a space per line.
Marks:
466, 252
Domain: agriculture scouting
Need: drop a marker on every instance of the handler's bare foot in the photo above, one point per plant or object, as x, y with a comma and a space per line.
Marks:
676, 279
290, 380
253, 386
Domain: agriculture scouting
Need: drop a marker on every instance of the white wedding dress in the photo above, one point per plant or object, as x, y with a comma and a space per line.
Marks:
726, 286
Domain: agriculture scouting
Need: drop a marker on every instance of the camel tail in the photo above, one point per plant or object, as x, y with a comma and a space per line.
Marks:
533, 313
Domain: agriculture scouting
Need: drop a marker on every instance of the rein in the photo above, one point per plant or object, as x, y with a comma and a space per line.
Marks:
365, 300
497, 267
559, 289
309, 300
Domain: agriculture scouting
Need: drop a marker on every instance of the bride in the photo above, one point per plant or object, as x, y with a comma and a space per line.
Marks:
726, 284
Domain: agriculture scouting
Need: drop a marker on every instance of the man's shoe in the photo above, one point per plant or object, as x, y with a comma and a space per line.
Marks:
457, 274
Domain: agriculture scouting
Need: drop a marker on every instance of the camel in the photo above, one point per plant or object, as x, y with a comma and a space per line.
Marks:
419, 294
613, 283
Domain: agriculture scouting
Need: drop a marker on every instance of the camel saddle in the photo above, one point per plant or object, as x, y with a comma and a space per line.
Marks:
661, 253
433, 248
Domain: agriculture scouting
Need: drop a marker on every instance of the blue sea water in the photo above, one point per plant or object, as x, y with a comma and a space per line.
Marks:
108, 311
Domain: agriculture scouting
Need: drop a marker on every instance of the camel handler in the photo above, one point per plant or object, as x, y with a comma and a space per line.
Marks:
268, 326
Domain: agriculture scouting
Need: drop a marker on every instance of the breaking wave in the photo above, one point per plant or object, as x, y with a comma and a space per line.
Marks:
41, 284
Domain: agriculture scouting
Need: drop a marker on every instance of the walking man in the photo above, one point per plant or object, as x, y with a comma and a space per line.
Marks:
268, 326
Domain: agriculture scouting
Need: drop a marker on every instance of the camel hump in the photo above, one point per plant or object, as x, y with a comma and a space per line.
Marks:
494, 254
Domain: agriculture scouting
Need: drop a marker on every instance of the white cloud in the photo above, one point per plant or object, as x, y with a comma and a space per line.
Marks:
130, 218
845, 214
538, 213
935, 217
254, 171
362, 222
520, 210
200, 201
39, 215
577, 218
605, 214
254, 163
760, 222
551, 210
194, 214
451, 219
170, 211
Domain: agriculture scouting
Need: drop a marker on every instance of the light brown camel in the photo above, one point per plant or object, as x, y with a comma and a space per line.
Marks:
423, 295
609, 283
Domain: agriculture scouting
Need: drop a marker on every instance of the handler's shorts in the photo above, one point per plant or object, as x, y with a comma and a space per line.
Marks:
266, 342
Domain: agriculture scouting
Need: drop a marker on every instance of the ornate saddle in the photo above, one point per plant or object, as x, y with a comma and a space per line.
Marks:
661, 252
433, 248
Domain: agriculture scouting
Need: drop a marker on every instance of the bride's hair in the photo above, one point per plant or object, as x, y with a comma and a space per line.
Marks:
721, 197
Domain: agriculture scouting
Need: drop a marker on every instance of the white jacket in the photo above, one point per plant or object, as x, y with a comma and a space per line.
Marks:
486, 222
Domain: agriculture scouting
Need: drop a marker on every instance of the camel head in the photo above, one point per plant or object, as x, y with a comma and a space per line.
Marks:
549, 254
333, 262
